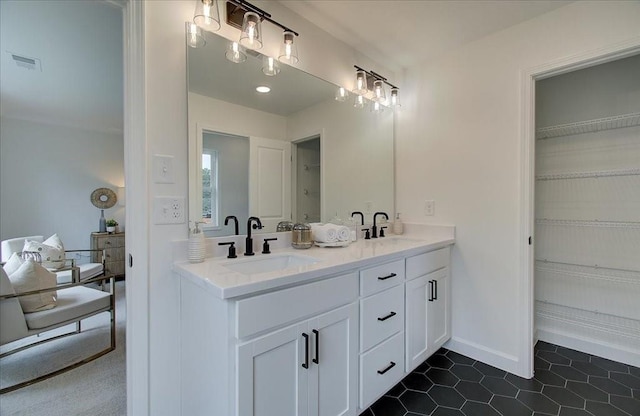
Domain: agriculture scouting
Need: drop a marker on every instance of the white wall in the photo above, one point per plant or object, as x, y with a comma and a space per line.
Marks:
47, 174
166, 124
458, 142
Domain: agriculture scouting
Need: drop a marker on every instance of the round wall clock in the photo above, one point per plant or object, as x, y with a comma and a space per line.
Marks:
103, 198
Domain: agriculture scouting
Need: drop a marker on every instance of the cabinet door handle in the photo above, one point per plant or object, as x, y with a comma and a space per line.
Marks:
389, 367
317, 357
387, 276
384, 318
435, 284
305, 364
430, 291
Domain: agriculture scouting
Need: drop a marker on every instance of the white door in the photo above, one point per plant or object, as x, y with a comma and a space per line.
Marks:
438, 314
334, 367
418, 293
271, 377
270, 181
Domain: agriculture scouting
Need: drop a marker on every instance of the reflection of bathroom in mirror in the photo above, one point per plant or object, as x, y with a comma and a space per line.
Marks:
292, 154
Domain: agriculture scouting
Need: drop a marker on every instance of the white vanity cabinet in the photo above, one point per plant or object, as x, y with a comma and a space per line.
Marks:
305, 369
428, 305
327, 347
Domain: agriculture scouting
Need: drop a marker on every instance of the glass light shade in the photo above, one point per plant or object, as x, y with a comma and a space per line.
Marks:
358, 101
342, 94
378, 91
251, 36
235, 53
195, 39
270, 66
206, 15
376, 107
288, 49
394, 101
360, 86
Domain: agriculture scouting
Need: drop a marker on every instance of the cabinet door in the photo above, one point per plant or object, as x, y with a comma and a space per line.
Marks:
334, 368
418, 293
271, 376
438, 314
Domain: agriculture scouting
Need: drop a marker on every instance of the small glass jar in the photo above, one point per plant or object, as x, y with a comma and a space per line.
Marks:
301, 236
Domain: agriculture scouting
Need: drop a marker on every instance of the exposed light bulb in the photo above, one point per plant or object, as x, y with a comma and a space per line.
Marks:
342, 94
250, 36
360, 86
195, 39
235, 53
206, 15
270, 66
358, 101
288, 49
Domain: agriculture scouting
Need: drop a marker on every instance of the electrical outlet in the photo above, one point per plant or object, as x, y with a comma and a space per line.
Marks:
163, 169
429, 207
368, 207
168, 210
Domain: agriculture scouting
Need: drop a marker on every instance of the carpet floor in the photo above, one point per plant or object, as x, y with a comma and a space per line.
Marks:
97, 388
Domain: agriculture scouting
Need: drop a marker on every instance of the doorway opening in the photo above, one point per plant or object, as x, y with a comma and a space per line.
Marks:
587, 221
308, 180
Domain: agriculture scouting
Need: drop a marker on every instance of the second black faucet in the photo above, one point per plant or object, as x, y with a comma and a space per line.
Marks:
248, 250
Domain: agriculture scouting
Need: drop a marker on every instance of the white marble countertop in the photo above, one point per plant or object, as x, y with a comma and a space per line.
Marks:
213, 276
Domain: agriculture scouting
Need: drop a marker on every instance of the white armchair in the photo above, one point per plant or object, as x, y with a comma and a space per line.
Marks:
74, 303
87, 270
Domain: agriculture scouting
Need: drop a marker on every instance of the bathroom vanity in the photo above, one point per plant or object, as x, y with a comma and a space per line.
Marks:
325, 331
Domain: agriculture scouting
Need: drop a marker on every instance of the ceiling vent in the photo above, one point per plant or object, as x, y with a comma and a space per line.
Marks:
25, 62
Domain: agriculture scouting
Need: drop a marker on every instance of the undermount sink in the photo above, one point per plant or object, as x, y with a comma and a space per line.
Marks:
269, 263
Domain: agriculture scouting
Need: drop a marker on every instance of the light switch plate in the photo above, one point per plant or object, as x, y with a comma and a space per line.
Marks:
168, 210
429, 207
163, 169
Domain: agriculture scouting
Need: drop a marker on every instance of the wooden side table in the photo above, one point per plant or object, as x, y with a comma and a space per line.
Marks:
113, 245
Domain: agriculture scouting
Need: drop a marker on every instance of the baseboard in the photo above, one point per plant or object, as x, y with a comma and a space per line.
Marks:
591, 346
495, 358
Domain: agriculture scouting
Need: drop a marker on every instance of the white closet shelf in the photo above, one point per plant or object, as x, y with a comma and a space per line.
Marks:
591, 174
583, 223
632, 278
589, 266
589, 126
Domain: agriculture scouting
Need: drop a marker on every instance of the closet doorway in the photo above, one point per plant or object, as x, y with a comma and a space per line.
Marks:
587, 210
307, 174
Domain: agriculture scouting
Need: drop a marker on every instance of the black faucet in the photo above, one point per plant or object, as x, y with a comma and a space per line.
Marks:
374, 229
361, 216
248, 249
232, 217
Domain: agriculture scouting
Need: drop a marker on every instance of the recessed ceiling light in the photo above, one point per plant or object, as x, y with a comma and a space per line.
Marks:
263, 89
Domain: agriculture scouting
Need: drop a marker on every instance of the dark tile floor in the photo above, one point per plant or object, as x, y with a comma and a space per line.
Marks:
566, 383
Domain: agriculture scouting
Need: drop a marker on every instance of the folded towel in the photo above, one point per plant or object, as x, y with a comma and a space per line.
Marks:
344, 233
327, 233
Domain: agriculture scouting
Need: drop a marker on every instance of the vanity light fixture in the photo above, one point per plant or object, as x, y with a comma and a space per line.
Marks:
394, 101
248, 18
235, 53
360, 86
270, 66
288, 49
195, 39
263, 89
358, 101
371, 84
206, 15
251, 36
342, 94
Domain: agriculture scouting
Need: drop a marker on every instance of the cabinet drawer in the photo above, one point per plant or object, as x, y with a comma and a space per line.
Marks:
381, 316
426, 263
381, 277
113, 254
266, 311
381, 368
110, 242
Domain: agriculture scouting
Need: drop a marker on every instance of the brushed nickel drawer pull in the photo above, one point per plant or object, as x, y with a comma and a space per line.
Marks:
384, 318
387, 277
389, 367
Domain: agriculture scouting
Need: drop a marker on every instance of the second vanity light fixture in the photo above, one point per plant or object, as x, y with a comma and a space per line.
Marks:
370, 85
248, 18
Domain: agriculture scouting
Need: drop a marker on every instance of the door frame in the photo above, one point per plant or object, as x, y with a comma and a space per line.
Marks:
529, 77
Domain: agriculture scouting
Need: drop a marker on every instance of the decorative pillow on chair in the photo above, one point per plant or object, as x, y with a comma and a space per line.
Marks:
13, 264
32, 276
51, 250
